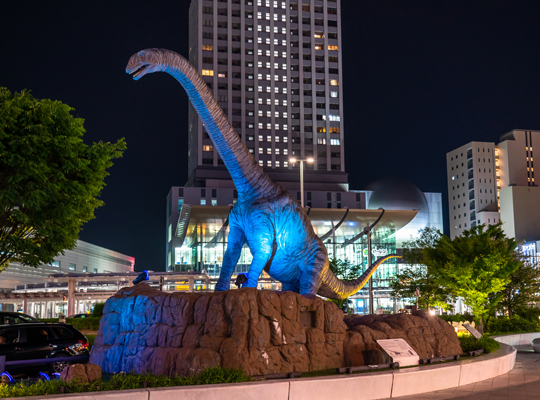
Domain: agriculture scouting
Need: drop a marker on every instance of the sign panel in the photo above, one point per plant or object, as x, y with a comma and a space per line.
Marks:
400, 351
473, 331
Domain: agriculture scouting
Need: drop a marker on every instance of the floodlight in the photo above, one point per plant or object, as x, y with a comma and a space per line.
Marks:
143, 276
293, 160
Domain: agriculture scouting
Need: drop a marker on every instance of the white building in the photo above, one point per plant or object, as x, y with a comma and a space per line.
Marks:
488, 183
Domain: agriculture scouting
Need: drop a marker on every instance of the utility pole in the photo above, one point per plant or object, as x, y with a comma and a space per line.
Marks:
371, 308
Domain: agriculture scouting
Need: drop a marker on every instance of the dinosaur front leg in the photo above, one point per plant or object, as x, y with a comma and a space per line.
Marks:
260, 259
236, 240
312, 276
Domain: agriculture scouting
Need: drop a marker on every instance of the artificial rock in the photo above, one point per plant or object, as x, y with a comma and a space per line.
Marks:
144, 330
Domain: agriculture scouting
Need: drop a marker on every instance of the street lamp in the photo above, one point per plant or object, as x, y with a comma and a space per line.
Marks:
293, 161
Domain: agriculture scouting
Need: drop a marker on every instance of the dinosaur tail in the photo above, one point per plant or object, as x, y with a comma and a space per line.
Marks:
249, 178
334, 288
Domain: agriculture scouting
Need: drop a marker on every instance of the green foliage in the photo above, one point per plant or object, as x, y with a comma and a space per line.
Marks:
475, 266
457, 318
511, 325
50, 180
98, 310
522, 289
470, 343
420, 276
84, 324
123, 382
528, 313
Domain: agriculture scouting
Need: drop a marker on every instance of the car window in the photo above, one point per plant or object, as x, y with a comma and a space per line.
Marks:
9, 336
26, 318
36, 334
61, 332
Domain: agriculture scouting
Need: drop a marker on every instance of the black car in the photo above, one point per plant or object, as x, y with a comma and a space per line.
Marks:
7, 317
38, 340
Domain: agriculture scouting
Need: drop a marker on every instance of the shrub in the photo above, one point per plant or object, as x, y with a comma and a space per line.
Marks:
470, 343
86, 324
458, 318
529, 313
509, 325
98, 310
123, 382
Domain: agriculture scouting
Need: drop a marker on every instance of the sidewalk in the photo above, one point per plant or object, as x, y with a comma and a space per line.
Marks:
522, 383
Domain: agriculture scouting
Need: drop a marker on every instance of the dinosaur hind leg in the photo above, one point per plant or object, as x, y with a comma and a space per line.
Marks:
311, 278
290, 287
230, 259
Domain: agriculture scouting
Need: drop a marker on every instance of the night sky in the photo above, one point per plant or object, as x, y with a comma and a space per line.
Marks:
420, 78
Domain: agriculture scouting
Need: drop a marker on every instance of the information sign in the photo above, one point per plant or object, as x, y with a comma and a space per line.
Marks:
400, 351
472, 330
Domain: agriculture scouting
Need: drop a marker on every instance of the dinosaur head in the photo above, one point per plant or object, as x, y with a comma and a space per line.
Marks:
145, 62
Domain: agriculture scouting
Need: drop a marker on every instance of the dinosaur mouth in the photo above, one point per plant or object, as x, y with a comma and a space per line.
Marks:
136, 72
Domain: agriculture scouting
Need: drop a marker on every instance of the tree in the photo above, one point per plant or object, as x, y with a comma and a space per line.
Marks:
49, 179
475, 266
418, 275
522, 290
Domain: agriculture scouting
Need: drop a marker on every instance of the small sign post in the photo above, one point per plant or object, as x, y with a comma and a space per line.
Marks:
400, 351
472, 330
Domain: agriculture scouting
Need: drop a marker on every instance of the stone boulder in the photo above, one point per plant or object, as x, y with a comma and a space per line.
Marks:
427, 334
144, 330
82, 373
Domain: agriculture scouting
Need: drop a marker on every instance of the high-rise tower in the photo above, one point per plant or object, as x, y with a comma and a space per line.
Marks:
275, 69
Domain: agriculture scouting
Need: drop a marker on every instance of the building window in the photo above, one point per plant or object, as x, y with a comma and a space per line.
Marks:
72, 267
261, 163
268, 163
332, 47
84, 269
334, 142
208, 147
55, 264
208, 72
334, 82
286, 164
214, 202
203, 202
207, 47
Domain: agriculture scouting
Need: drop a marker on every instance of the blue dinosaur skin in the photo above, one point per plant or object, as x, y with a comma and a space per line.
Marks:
275, 227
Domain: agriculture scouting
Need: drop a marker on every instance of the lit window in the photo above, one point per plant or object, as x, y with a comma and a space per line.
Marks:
267, 40
284, 78
208, 72
333, 94
276, 53
277, 164
208, 147
321, 129
335, 118
276, 29
268, 16
283, 42
318, 47
276, 90
276, 42
332, 47
283, 18
203, 202
259, 40
276, 139
284, 90
267, 53
207, 47
284, 66
276, 78
268, 150
276, 102
260, 100
277, 127
284, 102
284, 115
277, 149
268, 29
284, 140
284, 54
268, 138
268, 163
221, 75
318, 35
267, 64
276, 114
260, 126
260, 138
95, 270
285, 164
259, 28
269, 114
334, 129
251, 150
321, 141
259, 64
268, 125
55, 264
284, 127
259, 52
334, 82
276, 16
259, 15
261, 163
260, 113
259, 88
285, 151
260, 150
84, 269
259, 77
284, 30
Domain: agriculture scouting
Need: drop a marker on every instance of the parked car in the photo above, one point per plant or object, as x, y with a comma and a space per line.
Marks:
7, 317
30, 341
80, 316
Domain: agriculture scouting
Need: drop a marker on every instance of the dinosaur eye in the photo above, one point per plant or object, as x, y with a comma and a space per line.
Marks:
142, 54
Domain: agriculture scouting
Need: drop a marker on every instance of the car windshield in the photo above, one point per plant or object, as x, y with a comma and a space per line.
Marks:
17, 319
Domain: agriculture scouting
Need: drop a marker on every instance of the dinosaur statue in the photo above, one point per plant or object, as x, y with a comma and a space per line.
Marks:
275, 227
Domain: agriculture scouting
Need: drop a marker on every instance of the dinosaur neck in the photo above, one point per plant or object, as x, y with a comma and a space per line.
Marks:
249, 178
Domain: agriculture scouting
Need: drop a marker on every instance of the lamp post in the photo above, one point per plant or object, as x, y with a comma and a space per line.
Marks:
293, 161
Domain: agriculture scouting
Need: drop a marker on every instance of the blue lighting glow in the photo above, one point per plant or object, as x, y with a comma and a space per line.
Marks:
43, 375
10, 378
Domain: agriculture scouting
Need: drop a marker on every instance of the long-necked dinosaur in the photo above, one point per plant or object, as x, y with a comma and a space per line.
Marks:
275, 227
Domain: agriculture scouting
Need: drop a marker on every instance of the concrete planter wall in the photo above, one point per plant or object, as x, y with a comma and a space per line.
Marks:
380, 385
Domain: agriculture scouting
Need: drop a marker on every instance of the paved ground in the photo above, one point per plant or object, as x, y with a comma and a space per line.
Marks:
522, 383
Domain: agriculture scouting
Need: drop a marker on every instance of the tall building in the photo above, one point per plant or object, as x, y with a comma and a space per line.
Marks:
488, 183
275, 69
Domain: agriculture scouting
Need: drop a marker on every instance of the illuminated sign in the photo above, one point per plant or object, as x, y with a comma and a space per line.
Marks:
377, 252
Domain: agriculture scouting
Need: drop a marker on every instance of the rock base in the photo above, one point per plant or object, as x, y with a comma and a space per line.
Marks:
144, 330
83, 373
